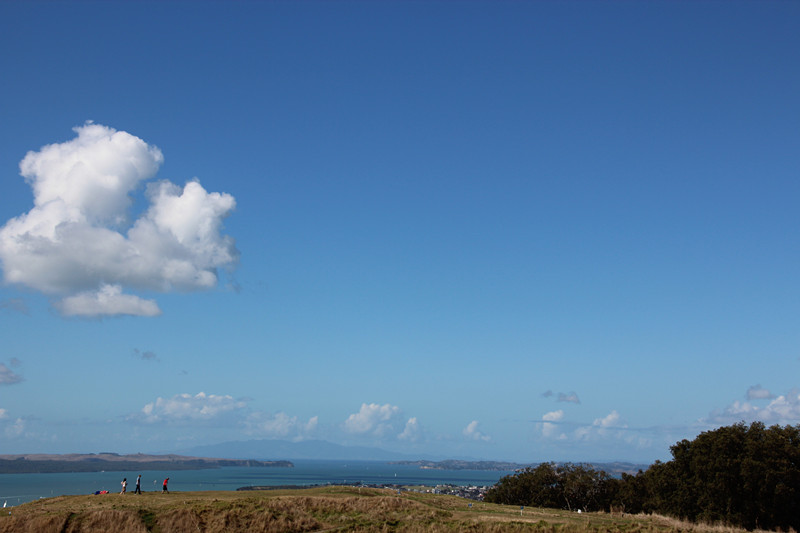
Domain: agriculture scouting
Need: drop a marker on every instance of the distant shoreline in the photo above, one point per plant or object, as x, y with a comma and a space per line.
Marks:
55, 463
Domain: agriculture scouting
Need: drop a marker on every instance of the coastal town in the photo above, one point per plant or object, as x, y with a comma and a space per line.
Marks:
470, 492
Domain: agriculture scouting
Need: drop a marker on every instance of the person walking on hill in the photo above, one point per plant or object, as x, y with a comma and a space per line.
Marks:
164, 487
138, 489
124, 485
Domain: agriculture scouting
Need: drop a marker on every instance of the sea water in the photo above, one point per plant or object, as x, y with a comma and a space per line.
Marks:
20, 488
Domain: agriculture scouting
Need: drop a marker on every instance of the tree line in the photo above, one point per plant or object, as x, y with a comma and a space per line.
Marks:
746, 476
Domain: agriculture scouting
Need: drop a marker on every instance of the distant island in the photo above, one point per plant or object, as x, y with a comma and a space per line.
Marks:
455, 464
98, 462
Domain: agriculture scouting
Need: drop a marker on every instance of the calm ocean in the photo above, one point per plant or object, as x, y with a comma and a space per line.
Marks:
20, 488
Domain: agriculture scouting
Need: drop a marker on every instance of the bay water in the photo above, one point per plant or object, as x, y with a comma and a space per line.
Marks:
20, 488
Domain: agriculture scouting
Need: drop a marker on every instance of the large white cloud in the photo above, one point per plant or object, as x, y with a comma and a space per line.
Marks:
190, 408
78, 242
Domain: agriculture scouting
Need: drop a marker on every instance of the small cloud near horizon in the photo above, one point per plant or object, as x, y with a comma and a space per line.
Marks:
783, 409
472, 432
412, 431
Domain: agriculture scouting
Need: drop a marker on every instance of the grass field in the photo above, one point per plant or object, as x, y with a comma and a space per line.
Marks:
318, 509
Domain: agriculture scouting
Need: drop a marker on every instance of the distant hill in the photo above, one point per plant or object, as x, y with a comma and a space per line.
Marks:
97, 462
268, 449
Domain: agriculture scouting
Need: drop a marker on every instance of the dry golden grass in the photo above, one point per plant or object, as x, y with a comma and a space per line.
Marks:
319, 509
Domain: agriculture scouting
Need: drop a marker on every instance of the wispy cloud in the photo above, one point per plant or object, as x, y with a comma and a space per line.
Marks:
606, 431
609, 425
8, 376
78, 243
15, 304
280, 425
145, 355
569, 398
16, 429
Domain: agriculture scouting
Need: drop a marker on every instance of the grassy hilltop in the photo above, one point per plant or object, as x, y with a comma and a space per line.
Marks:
317, 509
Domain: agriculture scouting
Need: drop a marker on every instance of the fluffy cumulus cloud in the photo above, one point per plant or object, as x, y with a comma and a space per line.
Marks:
200, 407
372, 419
8, 376
473, 433
763, 406
78, 242
280, 425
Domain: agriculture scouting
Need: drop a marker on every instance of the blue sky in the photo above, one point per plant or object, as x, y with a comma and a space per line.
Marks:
503, 230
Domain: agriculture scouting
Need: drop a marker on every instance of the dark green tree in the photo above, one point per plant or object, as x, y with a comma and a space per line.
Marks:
567, 486
747, 476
